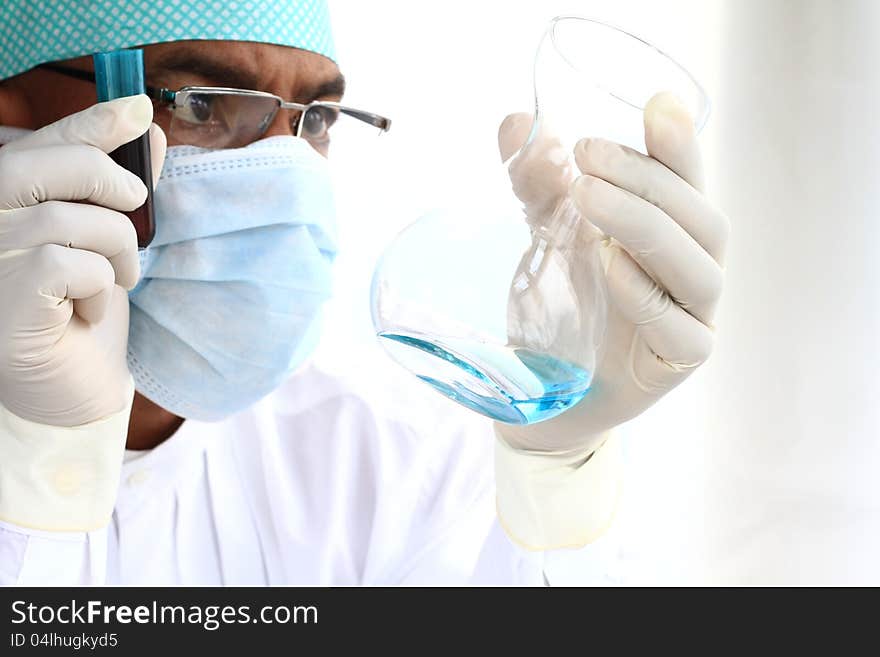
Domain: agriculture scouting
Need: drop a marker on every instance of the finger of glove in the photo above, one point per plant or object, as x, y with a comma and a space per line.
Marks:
77, 225
671, 138
105, 126
93, 309
653, 181
512, 133
83, 277
66, 173
158, 147
660, 246
674, 342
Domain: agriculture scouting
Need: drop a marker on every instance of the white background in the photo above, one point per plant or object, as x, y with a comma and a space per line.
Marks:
763, 467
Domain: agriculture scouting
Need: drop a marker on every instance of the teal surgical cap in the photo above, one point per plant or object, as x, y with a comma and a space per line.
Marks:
33, 32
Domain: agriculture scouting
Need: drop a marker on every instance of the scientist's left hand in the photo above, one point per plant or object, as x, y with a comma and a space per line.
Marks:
662, 266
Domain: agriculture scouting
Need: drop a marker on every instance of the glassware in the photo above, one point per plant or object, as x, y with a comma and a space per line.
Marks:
505, 312
118, 74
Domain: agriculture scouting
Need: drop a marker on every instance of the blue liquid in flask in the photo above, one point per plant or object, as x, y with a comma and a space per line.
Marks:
510, 384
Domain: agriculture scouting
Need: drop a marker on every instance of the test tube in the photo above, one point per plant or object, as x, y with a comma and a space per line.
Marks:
117, 74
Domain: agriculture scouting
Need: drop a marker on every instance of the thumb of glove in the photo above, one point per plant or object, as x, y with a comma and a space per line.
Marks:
512, 133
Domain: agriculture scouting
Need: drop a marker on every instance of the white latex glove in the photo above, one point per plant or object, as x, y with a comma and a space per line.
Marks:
662, 261
67, 255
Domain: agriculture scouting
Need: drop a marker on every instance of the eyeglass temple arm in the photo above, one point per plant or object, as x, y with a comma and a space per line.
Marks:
89, 76
375, 120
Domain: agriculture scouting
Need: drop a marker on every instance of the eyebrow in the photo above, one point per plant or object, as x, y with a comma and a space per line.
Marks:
334, 87
232, 75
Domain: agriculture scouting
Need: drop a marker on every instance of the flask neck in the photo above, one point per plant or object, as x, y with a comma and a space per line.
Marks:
562, 227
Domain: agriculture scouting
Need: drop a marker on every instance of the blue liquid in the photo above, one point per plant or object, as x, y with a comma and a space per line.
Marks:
509, 384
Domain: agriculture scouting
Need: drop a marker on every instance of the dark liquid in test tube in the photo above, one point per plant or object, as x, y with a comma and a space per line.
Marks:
119, 74
135, 156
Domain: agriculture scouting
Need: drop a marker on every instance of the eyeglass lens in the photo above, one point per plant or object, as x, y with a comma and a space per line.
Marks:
223, 120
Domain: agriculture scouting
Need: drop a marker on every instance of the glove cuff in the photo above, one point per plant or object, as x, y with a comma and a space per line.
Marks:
552, 501
61, 478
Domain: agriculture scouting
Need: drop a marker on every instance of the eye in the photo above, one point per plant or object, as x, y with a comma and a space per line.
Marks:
198, 108
317, 121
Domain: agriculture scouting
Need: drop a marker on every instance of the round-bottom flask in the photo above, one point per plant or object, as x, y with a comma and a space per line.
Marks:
504, 309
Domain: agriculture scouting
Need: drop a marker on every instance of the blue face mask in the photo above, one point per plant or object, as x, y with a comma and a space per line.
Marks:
233, 283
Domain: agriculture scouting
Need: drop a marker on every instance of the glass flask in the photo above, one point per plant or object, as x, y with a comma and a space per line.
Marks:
504, 310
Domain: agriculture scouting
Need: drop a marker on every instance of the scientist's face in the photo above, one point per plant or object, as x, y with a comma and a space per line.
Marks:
40, 97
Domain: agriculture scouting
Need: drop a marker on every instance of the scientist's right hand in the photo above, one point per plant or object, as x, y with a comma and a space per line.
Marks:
67, 257
663, 247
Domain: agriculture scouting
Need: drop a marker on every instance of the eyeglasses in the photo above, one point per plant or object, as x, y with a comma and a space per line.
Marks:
219, 117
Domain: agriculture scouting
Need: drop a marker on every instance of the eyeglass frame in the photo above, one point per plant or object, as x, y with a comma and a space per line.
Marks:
169, 97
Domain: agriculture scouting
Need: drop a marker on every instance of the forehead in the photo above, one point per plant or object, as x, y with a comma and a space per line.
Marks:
266, 62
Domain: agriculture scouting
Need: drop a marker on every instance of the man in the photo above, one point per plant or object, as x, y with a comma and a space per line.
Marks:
240, 463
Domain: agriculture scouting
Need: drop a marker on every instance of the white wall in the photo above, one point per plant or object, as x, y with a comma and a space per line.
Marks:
794, 425
761, 467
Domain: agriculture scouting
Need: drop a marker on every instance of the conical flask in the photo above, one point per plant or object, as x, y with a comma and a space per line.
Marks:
504, 311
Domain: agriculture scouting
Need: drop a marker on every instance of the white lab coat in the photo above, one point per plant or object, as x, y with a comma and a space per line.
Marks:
322, 482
